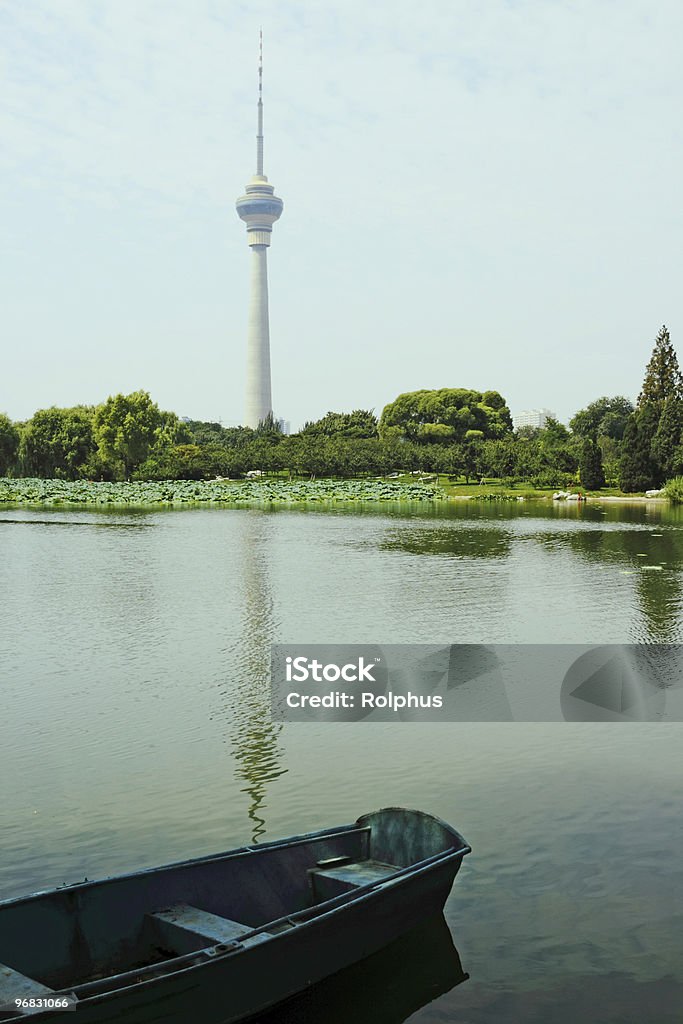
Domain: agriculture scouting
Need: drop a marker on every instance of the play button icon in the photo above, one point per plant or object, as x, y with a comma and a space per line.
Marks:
604, 685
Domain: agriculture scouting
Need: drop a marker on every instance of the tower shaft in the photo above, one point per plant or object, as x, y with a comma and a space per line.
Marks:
258, 397
259, 208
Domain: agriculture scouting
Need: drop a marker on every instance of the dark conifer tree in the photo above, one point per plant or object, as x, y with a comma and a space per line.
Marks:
652, 439
663, 376
666, 444
638, 470
591, 472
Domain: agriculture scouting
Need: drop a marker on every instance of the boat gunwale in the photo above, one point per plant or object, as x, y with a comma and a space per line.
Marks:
239, 851
181, 965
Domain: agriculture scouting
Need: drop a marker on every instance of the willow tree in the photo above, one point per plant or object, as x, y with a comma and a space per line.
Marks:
130, 428
57, 442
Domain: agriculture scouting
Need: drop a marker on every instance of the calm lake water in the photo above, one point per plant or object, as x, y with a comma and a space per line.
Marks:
134, 653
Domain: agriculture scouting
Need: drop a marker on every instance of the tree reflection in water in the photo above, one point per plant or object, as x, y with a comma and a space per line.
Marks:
653, 557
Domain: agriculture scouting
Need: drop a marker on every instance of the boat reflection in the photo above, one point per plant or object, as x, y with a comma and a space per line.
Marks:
385, 988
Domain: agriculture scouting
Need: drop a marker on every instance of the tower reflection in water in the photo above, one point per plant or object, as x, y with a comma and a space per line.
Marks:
253, 735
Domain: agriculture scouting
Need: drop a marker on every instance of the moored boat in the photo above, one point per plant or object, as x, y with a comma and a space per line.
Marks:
233, 933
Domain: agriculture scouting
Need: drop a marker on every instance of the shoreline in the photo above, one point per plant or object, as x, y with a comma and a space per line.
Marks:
311, 502
640, 498
590, 499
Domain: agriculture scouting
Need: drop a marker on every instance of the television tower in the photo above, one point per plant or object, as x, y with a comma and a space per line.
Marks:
259, 208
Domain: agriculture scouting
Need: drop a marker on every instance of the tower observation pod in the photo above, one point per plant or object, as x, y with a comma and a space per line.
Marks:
259, 208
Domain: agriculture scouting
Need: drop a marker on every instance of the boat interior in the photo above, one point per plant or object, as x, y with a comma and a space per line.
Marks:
79, 938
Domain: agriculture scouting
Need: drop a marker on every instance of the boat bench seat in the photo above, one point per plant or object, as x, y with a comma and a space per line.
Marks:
338, 878
14, 985
186, 929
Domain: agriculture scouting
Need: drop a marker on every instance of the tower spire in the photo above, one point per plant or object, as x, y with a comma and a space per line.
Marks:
259, 131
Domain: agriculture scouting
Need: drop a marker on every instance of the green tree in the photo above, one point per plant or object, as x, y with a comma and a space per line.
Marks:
438, 432
499, 458
261, 454
128, 428
652, 439
527, 433
553, 433
361, 423
57, 442
202, 433
558, 456
666, 443
452, 459
472, 458
9, 445
269, 428
610, 450
591, 472
528, 458
548, 457
493, 400
399, 455
367, 456
205, 432
605, 417
638, 470
414, 414
310, 456
186, 462
662, 377
237, 437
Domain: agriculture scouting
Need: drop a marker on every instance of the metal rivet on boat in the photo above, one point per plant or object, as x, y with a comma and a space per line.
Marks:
220, 947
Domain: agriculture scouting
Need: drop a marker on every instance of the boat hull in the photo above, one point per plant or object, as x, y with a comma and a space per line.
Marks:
237, 988
244, 979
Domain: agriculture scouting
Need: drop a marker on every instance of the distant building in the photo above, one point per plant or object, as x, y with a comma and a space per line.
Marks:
285, 426
533, 418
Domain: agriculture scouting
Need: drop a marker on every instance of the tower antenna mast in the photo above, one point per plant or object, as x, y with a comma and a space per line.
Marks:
259, 132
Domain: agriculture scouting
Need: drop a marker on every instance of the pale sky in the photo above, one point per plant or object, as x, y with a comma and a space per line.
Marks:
477, 194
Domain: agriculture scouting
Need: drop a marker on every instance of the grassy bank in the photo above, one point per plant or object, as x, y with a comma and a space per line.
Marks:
495, 490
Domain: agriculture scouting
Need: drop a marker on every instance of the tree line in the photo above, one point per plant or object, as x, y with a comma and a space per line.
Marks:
455, 431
